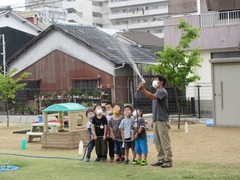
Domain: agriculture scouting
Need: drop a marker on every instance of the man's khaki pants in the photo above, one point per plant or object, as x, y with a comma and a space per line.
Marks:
162, 140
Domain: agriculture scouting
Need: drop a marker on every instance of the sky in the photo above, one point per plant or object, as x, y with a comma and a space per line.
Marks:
13, 3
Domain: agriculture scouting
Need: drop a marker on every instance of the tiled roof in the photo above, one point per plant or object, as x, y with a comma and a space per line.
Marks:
99, 42
106, 45
143, 38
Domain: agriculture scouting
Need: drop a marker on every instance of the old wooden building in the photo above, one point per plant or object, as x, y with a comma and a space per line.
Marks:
69, 57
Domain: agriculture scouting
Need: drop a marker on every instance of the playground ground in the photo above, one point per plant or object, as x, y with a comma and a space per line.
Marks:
200, 144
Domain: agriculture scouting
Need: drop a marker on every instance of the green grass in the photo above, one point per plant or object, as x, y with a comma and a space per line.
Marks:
41, 168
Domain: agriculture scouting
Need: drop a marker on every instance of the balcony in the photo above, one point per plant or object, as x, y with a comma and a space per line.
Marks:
122, 15
219, 33
140, 25
132, 3
97, 20
220, 19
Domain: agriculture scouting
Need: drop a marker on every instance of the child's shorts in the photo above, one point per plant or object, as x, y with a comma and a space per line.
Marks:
129, 144
141, 146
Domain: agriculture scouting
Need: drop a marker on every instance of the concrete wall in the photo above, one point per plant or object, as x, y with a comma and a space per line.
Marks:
19, 118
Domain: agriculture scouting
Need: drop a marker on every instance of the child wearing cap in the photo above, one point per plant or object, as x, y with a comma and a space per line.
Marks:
126, 128
140, 136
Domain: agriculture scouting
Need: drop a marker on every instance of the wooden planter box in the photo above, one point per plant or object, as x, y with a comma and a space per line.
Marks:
64, 140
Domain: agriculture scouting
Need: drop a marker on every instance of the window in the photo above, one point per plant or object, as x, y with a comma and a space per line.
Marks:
29, 91
233, 54
96, 14
157, 30
71, 10
94, 3
72, 21
86, 84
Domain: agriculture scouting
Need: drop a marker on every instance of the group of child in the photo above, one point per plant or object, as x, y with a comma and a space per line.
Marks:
117, 131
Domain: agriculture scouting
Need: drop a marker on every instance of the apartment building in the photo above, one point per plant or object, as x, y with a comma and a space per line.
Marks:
127, 15
141, 15
74, 11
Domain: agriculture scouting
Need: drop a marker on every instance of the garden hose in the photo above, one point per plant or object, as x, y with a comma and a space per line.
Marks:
48, 157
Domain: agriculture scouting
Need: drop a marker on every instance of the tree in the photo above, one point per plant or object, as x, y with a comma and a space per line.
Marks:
9, 87
177, 64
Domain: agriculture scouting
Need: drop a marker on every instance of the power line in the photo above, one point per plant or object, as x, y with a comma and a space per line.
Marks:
23, 5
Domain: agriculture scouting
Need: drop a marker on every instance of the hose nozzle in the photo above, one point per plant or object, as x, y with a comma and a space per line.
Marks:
143, 81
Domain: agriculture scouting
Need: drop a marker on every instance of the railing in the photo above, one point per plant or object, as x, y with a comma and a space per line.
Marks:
220, 19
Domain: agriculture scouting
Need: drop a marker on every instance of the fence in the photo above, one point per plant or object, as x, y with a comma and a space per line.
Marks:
193, 101
187, 106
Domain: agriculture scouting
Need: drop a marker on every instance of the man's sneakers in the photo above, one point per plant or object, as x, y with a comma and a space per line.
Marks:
87, 160
163, 164
158, 163
167, 164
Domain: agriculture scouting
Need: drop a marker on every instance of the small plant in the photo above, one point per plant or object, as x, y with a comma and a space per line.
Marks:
97, 93
77, 92
85, 104
48, 95
53, 95
86, 94
64, 94
121, 103
29, 110
20, 109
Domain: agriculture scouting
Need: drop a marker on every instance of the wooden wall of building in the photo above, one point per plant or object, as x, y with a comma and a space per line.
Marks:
59, 70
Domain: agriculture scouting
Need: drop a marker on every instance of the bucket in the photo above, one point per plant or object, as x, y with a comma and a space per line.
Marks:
151, 136
24, 144
40, 119
210, 123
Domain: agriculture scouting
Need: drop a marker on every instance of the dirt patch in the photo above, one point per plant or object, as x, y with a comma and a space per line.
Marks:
201, 144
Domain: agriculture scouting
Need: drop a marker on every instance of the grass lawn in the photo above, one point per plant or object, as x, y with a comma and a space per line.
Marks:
203, 153
36, 168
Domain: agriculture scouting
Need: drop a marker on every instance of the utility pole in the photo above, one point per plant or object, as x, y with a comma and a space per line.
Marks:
4, 54
4, 72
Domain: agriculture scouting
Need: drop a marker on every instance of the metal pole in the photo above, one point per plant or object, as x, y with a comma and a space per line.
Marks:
199, 109
4, 55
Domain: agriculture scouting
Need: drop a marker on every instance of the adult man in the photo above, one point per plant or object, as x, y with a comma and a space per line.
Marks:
161, 123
